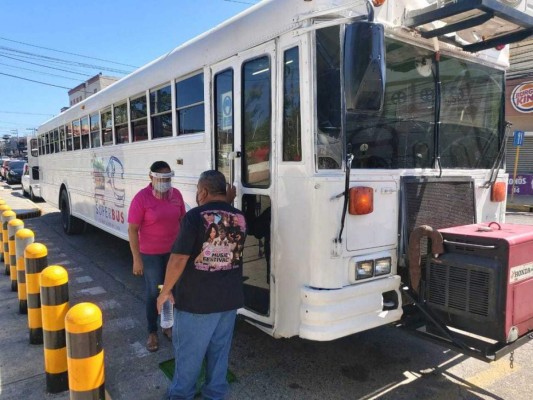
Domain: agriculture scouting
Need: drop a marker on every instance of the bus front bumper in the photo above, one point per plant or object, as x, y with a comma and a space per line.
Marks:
331, 314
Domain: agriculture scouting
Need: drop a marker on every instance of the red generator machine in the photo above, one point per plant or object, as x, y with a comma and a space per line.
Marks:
477, 295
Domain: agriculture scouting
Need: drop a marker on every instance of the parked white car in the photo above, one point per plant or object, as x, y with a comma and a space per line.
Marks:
30, 182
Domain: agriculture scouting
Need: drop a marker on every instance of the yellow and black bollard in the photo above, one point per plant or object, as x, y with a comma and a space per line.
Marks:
7, 216
3, 207
85, 352
23, 238
13, 227
54, 303
36, 259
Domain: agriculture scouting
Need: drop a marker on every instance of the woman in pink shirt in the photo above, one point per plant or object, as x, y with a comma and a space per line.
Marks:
153, 224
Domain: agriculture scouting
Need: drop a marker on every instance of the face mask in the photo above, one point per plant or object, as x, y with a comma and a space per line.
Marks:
162, 187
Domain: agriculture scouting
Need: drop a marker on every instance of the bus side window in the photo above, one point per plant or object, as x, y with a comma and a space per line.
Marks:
139, 118
256, 122
94, 122
292, 126
190, 105
76, 132
107, 126
328, 98
85, 144
68, 136
121, 123
34, 147
161, 112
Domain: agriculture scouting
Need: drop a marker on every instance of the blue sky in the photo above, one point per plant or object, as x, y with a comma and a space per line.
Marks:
131, 32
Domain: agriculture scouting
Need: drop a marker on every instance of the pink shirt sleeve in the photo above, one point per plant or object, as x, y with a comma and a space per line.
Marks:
136, 211
183, 211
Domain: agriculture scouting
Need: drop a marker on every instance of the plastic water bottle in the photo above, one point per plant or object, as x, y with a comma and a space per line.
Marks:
167, 314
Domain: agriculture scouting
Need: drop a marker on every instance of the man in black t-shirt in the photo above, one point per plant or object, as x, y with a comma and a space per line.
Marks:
204, 281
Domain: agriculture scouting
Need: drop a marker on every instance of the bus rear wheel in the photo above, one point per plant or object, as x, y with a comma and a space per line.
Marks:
71, 224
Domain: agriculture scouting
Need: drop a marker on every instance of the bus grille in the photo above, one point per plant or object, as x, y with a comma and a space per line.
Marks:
437, 202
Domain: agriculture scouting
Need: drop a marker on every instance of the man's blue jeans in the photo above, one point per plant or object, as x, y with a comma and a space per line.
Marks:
195, 337
155, 266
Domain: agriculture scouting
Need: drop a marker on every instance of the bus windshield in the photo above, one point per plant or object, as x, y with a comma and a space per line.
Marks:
403, 134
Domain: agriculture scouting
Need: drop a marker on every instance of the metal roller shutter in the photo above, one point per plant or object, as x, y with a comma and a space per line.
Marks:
525, 159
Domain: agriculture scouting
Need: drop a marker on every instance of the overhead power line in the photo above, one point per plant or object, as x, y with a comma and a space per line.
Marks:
240, 2
44, 66
24, 113
62, 61
39, 72
31, 80
66, 52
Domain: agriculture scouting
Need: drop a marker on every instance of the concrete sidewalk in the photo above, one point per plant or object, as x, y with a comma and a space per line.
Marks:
23, 207
99, 268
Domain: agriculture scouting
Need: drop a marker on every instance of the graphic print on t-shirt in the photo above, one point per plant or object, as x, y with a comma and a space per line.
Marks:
224, 241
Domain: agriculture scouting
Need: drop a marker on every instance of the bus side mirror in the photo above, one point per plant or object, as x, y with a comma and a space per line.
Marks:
364, 67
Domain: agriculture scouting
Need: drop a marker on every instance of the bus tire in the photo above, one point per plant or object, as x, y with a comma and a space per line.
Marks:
32, 195
71, 224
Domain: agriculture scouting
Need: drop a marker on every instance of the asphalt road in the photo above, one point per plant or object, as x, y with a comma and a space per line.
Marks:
384, 363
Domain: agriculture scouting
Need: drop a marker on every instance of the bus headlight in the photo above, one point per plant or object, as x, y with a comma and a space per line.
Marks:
364, 269
383, 266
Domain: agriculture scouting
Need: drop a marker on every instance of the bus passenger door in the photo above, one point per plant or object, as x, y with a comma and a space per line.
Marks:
243, 90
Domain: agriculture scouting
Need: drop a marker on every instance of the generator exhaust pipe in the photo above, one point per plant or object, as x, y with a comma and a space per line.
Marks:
414, 258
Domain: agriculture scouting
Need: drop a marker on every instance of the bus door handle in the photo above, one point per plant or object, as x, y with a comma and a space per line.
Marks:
231, 157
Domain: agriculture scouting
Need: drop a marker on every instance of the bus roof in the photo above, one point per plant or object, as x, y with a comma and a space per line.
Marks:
258, 24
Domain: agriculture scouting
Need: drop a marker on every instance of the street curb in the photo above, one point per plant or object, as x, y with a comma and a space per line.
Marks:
27, 214
520, 208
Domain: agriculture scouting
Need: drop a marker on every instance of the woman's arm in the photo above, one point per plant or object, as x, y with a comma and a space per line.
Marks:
133, 235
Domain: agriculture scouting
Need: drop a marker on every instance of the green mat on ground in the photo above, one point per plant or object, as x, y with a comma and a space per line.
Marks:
168, 369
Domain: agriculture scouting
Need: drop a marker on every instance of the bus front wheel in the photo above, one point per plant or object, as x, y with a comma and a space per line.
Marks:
71, 224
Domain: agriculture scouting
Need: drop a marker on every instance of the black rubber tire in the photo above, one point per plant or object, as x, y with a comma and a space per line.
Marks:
71, 224
32, 196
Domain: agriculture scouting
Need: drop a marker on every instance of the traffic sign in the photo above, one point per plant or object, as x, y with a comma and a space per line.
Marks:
227, 111
518, 139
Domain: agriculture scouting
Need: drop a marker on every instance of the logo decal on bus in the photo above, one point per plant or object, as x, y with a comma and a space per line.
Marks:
522, 97
109, 192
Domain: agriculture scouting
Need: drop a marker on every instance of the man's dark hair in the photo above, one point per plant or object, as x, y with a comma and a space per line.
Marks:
213, 181
158, 166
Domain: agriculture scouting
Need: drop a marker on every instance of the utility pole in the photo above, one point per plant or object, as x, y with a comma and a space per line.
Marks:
16, 132
6, 138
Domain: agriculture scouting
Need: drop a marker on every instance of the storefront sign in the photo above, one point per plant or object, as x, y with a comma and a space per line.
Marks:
522, 97
523, 185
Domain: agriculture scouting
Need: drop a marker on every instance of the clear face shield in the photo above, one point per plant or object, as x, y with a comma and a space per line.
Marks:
161, 184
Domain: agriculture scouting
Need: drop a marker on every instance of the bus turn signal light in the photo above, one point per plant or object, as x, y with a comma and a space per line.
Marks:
378, 3
497, 193
361, 200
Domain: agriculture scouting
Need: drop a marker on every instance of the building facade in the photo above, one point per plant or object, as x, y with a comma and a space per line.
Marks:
89, 87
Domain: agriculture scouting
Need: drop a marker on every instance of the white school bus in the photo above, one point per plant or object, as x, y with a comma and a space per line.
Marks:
345, 127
